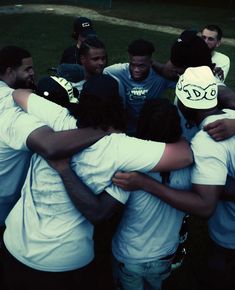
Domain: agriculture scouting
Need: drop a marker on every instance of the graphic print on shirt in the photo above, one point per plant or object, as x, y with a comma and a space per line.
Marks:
137, 93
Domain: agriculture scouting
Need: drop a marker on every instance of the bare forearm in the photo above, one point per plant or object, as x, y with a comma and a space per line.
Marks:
226, 97
82, 197
52, 144
158, 67
186, 201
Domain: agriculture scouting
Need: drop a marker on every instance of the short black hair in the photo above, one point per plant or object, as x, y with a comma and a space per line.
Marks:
159, 120
12, 56
216, 28
141, 47
90, 42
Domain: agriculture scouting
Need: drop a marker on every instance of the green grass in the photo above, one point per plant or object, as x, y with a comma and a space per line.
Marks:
176, 15
47, 40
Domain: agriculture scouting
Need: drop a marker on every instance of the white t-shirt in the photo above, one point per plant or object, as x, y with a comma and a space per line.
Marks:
44, 230
149, 228
15, 127
6, 101
213, 162
221, 60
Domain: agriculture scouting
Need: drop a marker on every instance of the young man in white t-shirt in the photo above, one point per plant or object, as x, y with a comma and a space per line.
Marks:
17, 128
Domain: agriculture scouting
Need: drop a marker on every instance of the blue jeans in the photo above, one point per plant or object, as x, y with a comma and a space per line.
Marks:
149, 275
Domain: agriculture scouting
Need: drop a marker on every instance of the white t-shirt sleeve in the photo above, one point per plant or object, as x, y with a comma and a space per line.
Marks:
221, 60
55, 116
115, 69
117, 193
139, 155
16, 126
210, 166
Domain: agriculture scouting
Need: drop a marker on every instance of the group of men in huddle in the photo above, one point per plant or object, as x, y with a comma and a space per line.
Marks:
72, 153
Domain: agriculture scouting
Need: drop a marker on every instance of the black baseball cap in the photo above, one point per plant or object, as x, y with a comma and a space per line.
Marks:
57, 90
190, 50
84, 27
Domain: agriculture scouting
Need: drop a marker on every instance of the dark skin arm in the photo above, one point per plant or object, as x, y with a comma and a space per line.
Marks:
50, 144
226, 97
221, 129
224, 128
96, 208
200, 201
218, 72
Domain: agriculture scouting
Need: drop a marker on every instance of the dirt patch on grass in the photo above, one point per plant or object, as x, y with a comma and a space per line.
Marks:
92, 14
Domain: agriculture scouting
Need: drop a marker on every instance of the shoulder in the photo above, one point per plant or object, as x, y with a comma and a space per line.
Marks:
216, 56
118, 67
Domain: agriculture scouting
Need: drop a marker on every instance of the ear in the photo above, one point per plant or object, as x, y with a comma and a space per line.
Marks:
74, 35
9, 71
218, 43
82, 59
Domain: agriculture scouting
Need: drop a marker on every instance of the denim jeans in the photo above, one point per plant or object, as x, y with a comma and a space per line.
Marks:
149, 275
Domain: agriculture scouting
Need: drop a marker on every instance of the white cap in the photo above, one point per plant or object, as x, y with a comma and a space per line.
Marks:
197, 88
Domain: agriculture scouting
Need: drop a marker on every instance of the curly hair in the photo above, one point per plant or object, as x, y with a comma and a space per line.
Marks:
141, 47
100, 104
90, 42
159, 120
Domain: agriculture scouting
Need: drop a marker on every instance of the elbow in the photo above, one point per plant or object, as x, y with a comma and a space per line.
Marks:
188, 158
95, 215
96, 219
49, 153
206, 212
45, 149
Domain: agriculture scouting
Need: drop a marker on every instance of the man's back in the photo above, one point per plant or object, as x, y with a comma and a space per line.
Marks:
213, 162
14, 154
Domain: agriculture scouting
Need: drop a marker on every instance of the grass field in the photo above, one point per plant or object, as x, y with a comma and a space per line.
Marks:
46, 35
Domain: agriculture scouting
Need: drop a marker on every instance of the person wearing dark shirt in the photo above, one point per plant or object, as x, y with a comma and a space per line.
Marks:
82, 28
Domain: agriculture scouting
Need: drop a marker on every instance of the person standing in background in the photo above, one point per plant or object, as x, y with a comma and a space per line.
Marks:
212, 35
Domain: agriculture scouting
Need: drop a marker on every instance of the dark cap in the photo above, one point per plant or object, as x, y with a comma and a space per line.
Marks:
83, 26
190, 50
101, 86
57, 90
